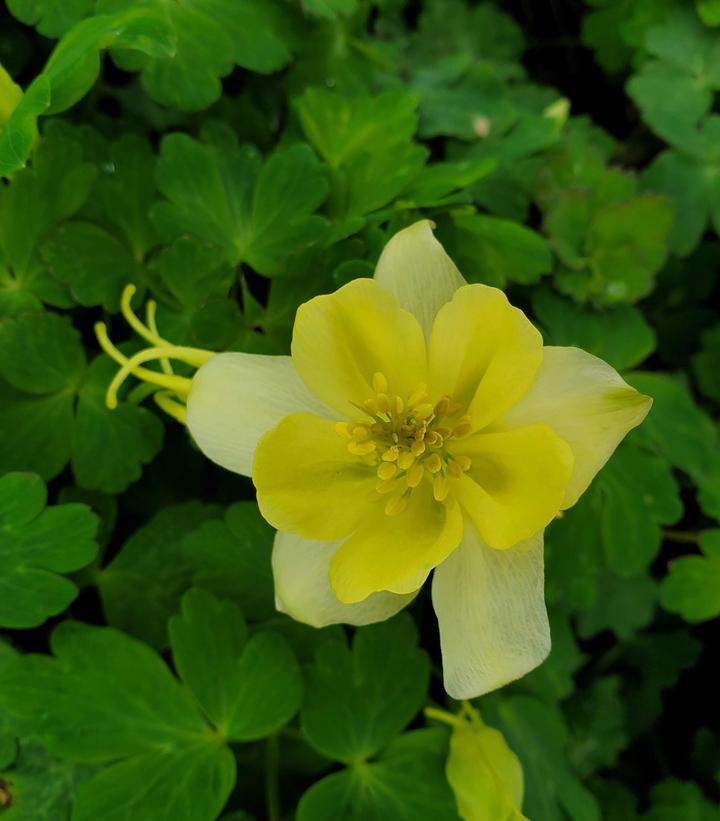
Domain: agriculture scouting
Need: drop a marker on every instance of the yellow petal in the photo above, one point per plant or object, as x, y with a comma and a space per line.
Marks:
484, 773
340, 341
588, 403
236, 397
490, 608
415, 267
483, 352
308, 483
516, 482
396, 553
302, 586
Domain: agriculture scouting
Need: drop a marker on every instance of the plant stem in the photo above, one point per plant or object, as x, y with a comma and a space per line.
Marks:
682, 536
272, 782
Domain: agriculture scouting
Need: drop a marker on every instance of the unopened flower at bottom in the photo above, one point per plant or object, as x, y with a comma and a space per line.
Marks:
419, 425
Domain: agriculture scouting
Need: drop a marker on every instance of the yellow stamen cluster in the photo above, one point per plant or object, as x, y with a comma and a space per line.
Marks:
405, 440
170, 390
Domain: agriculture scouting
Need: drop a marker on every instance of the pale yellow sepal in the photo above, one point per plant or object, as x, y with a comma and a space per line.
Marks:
484, 773
10, 96
415, 267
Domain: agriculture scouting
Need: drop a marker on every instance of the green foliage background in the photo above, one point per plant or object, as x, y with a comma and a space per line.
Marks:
234, 158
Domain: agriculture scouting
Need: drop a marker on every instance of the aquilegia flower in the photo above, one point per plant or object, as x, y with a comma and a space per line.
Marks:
418, 425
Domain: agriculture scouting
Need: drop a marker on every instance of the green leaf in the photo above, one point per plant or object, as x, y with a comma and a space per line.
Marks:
538, 736
37, 544
633, 599
598, 727
673, 799
709, 11
209, 37
406, 782
41, 353
111, 446
20, 131
676, 427
232, 559
639, 494
367, 142
42, 361
93, 265
357, 701
553, 679
692, 586
50, 18
706, 363
248, 689
497, 251
105, 697
142, 586
619, 335
228, 198
123, 193
38, 198
42, 786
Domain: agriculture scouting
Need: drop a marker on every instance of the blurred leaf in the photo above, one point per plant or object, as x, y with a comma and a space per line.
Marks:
620, 335
367, 142
597, 719
639, 494
142, 586
495, 251
706, 363
673, 799
50, 18
633, 605
36, 544
553, 679
357, 701
676, 427
692, 586
210, 37
247, 688
406, 782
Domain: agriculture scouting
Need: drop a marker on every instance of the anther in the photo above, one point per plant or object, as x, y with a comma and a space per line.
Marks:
405, 460
420, 395
383, 402
417, 448
343, 429
433, 463
440, 487
423, 411
387, 470
415, 475
454, 471
399, 405
442, 407
463, 461
361, 448
379, 382
444, 432
463, 427
391, 454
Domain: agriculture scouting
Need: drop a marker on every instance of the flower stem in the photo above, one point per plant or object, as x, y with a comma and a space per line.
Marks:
272, 779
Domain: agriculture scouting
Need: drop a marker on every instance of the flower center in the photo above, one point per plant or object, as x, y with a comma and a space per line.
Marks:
405, 440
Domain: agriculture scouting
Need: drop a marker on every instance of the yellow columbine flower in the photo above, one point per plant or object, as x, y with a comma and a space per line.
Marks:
419, 424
